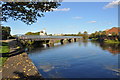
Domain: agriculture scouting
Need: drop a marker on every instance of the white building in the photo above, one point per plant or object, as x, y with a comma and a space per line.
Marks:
43, 32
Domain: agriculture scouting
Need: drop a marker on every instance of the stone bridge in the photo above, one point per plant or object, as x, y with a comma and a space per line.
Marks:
49, 39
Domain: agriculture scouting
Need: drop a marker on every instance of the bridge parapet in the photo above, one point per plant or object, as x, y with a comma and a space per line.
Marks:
38, 37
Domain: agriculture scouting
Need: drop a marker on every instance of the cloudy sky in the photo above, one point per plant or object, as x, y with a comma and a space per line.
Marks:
72, 17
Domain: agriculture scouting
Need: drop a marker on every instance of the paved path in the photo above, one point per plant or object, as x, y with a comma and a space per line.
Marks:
20, 67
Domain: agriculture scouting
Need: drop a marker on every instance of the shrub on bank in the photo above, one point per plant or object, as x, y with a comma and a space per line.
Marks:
111, 41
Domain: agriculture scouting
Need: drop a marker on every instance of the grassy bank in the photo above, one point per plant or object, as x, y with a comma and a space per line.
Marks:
94, 39
112, 41
4, 48
107, 40
2, 60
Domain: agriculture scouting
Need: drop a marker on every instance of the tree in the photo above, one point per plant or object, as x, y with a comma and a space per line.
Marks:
103, 34
92, 35
97, 34
27, 12
114, 34
32, 33
50, 35
29, 33
85, 35
85, 32
79, 33
5, 32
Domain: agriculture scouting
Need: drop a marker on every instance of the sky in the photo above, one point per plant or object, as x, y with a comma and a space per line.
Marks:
71, 18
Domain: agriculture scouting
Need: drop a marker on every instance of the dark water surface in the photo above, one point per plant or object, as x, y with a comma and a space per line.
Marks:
83, 59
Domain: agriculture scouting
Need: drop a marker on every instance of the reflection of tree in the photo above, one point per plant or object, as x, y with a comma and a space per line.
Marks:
96, 43
80, 43
112, 48
85, 42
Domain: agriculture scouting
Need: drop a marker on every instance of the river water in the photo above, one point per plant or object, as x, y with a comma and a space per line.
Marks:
83, 59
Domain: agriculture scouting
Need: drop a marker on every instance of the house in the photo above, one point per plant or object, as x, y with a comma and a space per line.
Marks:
114, 30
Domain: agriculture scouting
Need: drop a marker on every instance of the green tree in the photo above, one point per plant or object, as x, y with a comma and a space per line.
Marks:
79, 34
32, 33
29, 33
92, 35
97, 34
85, 32
85, 35
27, 12
5, 32
50, 35
103, 33
114, 34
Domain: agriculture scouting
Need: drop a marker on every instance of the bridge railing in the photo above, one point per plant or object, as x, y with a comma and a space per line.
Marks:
46, 37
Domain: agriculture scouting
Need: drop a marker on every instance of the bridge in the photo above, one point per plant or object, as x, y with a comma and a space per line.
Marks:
49, 39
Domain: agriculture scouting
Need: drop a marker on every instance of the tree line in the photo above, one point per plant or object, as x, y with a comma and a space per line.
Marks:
102, 35
84, 34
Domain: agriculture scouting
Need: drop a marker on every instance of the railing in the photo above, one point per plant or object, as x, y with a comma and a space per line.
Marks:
46, 37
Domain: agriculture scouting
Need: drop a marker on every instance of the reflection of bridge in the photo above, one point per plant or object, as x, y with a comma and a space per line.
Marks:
49, 39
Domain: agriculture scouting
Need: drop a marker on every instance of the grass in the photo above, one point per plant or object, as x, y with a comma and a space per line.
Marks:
112, 41
3, 49
94, 39
2, 60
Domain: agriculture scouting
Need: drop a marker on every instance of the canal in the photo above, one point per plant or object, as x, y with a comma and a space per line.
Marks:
83, 59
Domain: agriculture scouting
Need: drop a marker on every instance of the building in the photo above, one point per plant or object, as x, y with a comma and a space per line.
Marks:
43, 32
114, 30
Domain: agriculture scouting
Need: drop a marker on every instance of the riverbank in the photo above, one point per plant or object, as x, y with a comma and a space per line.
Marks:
107, 41
7, 48
4, 48
112, 41
17, 64
20, 67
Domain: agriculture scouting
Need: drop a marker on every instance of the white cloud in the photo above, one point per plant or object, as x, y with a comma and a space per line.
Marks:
112, 4
77, 17
63, 9
92, 21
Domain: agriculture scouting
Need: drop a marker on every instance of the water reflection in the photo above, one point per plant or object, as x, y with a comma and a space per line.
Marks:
114, 68
50, 45
46, 68
112, 48
77, 60
85, 42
